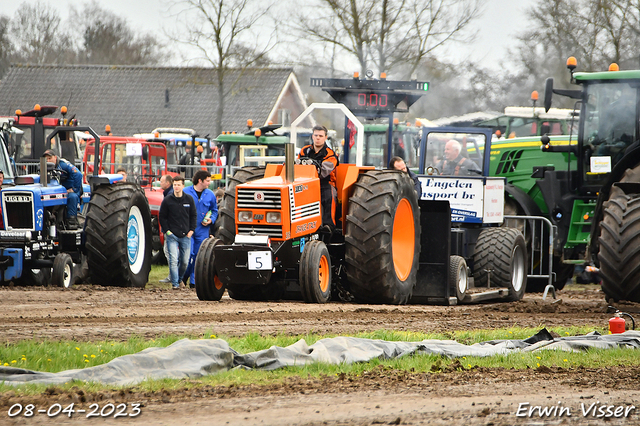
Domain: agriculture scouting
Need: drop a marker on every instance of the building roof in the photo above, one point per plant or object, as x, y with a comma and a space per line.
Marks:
136, 99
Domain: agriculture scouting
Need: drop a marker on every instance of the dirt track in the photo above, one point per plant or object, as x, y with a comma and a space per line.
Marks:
476, 396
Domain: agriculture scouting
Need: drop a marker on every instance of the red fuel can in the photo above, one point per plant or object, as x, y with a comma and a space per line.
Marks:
617, 325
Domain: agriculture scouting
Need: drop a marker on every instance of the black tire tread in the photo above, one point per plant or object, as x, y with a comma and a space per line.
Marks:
493, 251
454, 267
369, 223
106, 240
619, 254
205, 271
57, 273
309, 263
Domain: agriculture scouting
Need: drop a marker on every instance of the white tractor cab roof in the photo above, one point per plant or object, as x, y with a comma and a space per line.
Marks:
530, 112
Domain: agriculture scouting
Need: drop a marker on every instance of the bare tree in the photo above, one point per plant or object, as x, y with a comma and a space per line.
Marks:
108, 39
387, 34
38, 35
596, 32
6, 45
226, 34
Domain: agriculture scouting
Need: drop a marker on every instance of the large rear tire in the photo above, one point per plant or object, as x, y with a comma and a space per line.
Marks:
503, 252
315, 273
226, 222
208, 286
118, 232
382, 238
619, 254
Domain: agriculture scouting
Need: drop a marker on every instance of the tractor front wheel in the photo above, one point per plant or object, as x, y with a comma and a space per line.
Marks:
315, 273
62, 274
208, 285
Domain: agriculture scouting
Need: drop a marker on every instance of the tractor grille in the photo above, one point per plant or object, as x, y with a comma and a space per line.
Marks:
303, 212
270, 230
259, 199
18, 208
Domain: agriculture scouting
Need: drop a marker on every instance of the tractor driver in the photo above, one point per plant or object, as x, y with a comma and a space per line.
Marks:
328, 161
71, 179
455, 164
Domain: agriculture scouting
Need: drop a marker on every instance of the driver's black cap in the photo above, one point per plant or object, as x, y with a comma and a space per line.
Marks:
48, 153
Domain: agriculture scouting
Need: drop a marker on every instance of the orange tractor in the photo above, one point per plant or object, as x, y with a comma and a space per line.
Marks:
269, 244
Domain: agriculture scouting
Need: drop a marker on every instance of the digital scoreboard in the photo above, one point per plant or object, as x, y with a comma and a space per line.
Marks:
373, 96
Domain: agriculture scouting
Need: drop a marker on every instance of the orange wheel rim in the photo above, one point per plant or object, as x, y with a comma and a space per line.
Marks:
217, 283
323, 274
403, 239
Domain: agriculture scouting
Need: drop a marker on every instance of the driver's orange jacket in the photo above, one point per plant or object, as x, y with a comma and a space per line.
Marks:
326, 158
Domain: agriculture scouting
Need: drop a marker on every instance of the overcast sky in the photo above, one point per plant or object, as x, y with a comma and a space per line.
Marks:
501, 21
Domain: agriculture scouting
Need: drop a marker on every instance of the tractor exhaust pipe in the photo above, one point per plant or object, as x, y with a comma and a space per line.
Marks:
289, 157
43, 171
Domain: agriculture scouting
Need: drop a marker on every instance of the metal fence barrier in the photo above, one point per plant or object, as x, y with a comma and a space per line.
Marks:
533, 229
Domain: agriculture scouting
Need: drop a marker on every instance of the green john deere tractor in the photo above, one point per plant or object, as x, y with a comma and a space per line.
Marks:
589, 184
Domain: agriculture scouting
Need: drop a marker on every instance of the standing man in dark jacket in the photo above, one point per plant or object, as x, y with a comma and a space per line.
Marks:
71, 179
328, 161
178, 222
166, 184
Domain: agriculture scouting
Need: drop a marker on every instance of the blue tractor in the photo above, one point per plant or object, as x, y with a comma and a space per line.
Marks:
112, 245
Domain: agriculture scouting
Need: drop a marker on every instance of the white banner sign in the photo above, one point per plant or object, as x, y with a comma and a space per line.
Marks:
465, 196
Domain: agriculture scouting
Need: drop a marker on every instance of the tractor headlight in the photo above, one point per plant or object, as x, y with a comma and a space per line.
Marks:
245, 216
273, 217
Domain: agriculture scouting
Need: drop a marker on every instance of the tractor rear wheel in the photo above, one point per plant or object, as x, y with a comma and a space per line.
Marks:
503, 252
382, 237
226, 222
619, 254
315, 273
118, 232
208, 286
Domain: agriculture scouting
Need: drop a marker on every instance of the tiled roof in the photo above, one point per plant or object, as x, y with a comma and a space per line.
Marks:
135, 99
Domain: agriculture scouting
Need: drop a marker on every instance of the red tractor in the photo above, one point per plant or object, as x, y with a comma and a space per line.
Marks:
144, 162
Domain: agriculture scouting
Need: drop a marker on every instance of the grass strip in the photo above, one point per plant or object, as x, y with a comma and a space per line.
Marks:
54, 356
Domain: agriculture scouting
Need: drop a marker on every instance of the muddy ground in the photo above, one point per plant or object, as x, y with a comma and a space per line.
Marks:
383, 396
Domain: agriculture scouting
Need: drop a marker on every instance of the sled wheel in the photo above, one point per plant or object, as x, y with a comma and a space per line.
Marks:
502, 251
458, 277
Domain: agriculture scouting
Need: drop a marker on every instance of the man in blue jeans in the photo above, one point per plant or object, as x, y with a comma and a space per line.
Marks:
207, 210
178, 222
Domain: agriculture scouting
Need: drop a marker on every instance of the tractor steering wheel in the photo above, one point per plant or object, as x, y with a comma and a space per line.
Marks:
309, 161
432, 170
